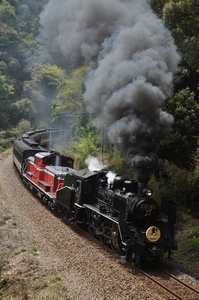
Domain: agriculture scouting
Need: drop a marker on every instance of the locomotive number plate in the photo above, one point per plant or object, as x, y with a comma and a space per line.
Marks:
153, 234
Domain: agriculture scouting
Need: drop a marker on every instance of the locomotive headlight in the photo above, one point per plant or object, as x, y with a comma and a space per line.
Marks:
147, 192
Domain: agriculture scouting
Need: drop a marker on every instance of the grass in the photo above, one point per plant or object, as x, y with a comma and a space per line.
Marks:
187, 235
26, 279
22, 275
42, 287
33, 250
47, 286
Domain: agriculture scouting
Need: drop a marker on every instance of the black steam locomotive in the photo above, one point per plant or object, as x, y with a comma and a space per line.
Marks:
117, 211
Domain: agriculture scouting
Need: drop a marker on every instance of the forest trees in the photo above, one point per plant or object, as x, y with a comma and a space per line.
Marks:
69, 94
15, 43
41, 90
7, 62
181, 146
181, 18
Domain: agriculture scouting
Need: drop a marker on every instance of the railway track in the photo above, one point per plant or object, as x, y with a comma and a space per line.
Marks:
172, 286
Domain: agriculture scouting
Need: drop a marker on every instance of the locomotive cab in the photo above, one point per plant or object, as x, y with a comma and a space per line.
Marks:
78, 189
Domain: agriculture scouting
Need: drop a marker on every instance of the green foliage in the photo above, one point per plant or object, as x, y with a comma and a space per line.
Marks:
116, 162
188, 241
82, 148
29, 39
192, 242
157, 6
49, 74
170, 181
7, 138
30, 44
13, 53
22, 109
181, 17
40, 91
8, 36
3, 87
81, 125
69, 97
24, 126
5, 90
193, 190
7, 13
14, 2
177, 184
181, 143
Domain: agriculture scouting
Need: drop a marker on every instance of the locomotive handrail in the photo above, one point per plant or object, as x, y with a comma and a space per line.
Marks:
61, 185
24, 167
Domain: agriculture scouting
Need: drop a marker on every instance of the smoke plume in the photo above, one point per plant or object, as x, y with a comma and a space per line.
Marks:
94, 164
131, 60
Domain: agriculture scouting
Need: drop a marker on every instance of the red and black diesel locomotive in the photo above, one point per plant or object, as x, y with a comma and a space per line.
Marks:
119, 212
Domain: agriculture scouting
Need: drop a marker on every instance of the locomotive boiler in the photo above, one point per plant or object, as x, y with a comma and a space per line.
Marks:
119, 212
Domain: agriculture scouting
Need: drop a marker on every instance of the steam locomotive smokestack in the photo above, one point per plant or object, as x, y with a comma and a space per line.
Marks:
131, 59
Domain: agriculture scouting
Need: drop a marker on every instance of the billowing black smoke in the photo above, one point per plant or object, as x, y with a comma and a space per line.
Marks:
131, 59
